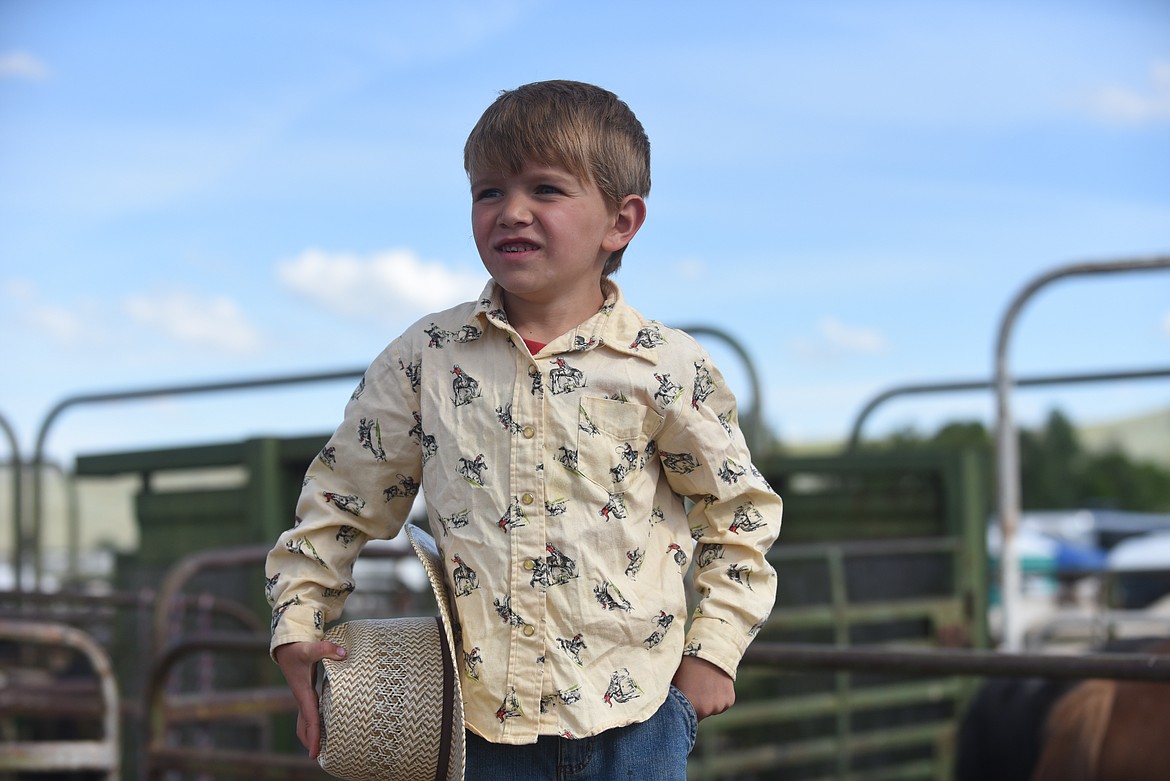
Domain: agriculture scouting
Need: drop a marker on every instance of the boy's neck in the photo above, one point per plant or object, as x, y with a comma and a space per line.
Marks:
541, 322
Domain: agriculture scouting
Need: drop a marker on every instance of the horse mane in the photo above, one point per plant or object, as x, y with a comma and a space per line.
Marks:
1075, 732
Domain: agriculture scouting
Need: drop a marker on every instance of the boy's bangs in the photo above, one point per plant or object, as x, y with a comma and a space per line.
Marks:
508, 147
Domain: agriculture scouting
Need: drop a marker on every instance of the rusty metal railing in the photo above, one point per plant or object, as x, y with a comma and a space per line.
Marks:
922, 661
916, 664
101, 755
187, 568
75, 608
167, 711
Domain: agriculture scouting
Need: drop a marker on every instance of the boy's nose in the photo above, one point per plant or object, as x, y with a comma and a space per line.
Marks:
514, 211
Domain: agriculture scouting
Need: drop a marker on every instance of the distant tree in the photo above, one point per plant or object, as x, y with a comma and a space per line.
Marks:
1051, 463
1055, 471
972, 434
1112, 480
964, 434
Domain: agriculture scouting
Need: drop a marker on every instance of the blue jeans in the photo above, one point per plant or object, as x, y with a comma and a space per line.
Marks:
654, 750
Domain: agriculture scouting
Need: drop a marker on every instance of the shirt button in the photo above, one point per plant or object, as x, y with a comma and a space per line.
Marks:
528, 431
529, 564
529, 630
527, 499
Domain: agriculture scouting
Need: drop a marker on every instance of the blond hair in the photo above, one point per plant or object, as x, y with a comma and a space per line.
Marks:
584, 129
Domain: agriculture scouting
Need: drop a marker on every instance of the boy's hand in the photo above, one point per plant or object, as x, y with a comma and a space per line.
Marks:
298, 662
709, 688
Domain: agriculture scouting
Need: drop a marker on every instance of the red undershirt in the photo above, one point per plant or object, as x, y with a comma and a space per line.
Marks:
533, 347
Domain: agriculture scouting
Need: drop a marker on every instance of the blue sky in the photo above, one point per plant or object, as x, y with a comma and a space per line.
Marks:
854, 190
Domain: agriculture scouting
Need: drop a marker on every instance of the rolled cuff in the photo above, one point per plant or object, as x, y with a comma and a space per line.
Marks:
295, 627
716, 642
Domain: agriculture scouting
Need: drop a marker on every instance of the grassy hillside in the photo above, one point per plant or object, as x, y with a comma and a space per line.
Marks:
1142, 438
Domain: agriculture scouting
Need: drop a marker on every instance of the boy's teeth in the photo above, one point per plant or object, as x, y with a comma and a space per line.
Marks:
517, 247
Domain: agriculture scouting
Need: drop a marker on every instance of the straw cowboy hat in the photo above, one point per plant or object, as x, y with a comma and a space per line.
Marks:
392, 710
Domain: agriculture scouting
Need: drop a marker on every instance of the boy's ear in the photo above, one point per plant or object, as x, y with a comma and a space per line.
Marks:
626, 221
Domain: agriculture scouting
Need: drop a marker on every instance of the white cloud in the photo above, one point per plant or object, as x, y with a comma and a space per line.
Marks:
61, 325
1117, 103
849, 338
834, 340
217, 322
384, 285
21, 65
65, 326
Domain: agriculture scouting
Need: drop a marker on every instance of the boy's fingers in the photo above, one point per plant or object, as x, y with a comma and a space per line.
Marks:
308, 652
336, 651
309, 732
298, 662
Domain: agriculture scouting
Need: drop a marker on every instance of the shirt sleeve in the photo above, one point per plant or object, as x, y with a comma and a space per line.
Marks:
734, 518
361, 486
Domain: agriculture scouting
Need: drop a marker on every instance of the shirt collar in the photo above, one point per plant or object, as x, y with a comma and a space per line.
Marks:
617, 326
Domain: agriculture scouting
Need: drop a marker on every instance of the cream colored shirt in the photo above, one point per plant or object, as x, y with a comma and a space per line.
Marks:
554, 485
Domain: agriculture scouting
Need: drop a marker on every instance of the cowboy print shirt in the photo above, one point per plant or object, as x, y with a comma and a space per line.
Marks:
569, 491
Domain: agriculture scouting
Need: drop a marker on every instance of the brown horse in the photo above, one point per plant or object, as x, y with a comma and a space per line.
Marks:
1107, 730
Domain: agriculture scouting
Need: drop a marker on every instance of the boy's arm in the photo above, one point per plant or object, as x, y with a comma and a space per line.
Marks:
361, 486
735, 519
736, 583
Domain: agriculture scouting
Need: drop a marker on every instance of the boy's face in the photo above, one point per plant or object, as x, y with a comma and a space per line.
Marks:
544, 235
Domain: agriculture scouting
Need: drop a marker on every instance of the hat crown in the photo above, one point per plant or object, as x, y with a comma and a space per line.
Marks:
392, 710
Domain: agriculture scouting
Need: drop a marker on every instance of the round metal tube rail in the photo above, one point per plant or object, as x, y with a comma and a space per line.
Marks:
66, 606
794, 656
101, 755
185, 569
160, 756
17, 499
974, 385
29, 535
223, 558
1007, 441
943, 661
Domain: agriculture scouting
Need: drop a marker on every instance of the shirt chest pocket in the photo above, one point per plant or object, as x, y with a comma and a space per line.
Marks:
612, 440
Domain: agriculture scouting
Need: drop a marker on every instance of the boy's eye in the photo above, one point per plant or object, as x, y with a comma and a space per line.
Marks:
547, 189
487, 192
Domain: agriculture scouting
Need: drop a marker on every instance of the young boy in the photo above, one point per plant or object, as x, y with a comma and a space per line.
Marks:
556, 433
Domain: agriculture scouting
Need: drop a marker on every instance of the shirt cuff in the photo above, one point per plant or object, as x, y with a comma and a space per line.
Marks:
716, 642
295, 627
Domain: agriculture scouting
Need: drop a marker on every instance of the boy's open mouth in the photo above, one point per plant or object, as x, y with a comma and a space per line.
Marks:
517, 246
